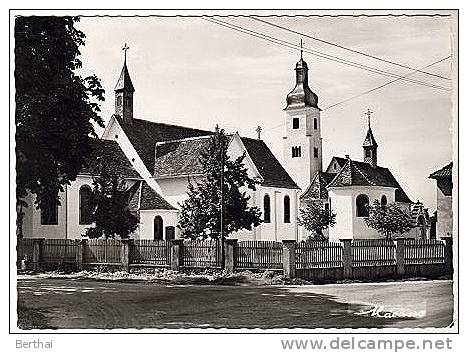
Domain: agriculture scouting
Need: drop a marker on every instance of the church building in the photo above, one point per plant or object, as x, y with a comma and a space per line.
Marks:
158, 159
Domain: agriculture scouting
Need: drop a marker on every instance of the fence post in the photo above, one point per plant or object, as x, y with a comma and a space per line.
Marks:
448, 254
289, 258
176, 253
347, 258
400, 256
125, 253
79, 254
229, 251
37, 253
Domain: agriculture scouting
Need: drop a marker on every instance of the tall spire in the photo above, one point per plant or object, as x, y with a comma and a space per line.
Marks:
370, 144
124, 92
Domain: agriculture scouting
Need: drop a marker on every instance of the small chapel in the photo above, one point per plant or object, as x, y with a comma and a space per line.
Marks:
158, 159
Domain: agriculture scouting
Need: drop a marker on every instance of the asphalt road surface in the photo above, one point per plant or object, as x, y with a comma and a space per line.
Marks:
90, 304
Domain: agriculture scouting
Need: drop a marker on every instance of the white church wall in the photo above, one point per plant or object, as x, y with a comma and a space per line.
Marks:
276, 229
360, 228
32, 227
343, 203
146, 226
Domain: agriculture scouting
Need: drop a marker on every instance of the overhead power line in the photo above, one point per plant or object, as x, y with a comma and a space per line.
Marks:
346, 48
368, 91
319, 54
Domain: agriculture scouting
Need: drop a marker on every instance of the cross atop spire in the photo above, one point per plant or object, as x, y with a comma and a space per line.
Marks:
125, 48
301, 48
368, 114
259, 132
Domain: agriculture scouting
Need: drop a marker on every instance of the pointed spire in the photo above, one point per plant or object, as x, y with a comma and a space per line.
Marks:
124, 82
369, 140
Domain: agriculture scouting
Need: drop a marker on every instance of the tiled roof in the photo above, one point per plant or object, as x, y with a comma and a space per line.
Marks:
144, 134
181, 157
143, 197
340, 164
318, 187
363, 174
109, 153
445, 172
271, 170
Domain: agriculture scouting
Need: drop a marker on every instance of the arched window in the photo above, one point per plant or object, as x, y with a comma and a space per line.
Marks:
315, 152
49, 213
368, 153
383, 200
85, 208
362, 206
266, 209
287, 209
119, 100
158, 228
315, 124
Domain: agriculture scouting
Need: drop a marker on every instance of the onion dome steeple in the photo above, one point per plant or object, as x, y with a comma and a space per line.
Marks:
301, 96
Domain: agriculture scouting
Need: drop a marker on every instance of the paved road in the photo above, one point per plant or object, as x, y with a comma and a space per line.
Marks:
66, 303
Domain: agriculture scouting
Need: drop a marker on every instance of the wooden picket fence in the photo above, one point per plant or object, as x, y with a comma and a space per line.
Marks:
151, 253
59, 251
373, 252
24, 252
313, 257
201, 254
424, 251
102, 251
318, 254
258, 255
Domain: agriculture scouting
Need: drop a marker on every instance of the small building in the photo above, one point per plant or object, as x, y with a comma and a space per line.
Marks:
444, 184
348, 187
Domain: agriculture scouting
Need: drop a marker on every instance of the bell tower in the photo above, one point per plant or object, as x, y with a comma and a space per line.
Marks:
370, 144
302, 142
124, 93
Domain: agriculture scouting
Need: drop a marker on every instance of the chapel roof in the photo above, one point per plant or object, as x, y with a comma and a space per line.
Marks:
318, 187
181, 157
356, 173
144, 134
143, 197
109, 153
444, 172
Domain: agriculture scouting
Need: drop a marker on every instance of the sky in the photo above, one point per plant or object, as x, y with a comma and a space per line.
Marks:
191, 72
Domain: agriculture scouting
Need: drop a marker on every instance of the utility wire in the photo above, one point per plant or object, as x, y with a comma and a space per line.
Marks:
345, 48
368, 91
317, 53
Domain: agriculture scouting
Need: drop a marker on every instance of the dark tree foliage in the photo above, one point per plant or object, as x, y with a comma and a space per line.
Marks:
55, 106
110, 213
200, 214
315, 218
388, 219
